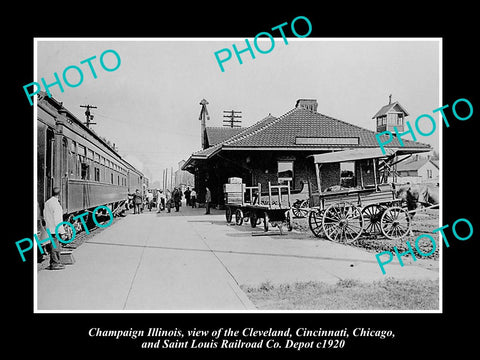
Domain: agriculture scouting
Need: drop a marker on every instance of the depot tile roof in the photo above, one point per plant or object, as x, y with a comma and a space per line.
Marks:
301, 128
216, 135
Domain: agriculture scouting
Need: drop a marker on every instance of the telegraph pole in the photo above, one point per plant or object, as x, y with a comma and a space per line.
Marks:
232, 118
87, 115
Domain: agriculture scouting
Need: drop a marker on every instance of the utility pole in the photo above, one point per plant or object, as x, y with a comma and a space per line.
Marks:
232, 116
87, 115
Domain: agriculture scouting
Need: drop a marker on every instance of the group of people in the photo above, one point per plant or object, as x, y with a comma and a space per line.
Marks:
167, 200
53, 213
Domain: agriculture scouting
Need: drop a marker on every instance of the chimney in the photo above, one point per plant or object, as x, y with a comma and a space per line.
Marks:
309, 104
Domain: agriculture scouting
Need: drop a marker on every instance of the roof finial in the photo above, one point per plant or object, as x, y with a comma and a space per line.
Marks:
389, 99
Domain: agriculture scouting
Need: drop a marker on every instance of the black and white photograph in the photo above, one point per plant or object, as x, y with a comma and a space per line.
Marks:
246, 189
277, 191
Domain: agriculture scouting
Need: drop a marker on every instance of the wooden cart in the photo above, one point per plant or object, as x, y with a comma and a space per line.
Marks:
274, 208
344, 214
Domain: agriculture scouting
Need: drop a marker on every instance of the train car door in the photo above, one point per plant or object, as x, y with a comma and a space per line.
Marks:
49, 164
45, 162
64, 174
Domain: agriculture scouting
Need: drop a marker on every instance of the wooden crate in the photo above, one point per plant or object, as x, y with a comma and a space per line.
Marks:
233, 188
234, 198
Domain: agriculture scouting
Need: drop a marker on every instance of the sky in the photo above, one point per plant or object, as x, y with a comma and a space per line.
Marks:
149, 107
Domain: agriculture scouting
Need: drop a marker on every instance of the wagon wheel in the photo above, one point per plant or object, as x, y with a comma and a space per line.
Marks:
371, 217
288, 219
342, 222
239, 217
253, 219
315, 223
228, 214
300, 211
265, 222
395, 222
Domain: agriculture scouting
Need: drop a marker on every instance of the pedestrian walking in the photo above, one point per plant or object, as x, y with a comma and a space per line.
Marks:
155, 200
149, 200
208, 199
53, 215
168, 199
137, 202
177, 198
193, 198
161, 200
187, 194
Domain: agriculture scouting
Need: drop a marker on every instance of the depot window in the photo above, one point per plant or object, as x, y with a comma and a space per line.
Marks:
285, 171
347, 174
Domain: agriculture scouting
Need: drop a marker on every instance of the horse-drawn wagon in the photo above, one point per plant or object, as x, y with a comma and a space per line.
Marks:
362, 203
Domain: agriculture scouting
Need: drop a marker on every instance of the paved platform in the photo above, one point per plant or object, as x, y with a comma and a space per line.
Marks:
191, 261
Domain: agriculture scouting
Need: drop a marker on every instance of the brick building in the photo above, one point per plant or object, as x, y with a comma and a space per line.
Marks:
278, 149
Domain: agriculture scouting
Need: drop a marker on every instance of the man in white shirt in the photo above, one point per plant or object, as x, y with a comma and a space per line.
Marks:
53, 215
161, 200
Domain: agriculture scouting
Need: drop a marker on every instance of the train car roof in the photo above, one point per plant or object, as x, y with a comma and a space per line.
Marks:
58, 106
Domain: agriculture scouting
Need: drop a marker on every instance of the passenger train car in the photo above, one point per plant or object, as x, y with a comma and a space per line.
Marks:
87, 169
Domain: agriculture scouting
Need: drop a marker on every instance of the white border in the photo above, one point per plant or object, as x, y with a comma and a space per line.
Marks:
376, 39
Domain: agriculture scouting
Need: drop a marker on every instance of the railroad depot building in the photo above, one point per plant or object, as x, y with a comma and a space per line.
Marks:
279, 149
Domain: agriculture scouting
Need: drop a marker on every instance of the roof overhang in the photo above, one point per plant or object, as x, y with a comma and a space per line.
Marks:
352, 155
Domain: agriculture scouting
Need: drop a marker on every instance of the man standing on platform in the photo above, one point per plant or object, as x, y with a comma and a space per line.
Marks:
53, 215
177, 198
208, 199
187, 196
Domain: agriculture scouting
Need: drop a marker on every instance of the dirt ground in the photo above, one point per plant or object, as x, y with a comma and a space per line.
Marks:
422, 223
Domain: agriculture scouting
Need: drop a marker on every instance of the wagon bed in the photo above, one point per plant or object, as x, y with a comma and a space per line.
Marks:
345, 215
270, 208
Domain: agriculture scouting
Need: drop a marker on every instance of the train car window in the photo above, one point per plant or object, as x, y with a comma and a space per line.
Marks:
85, 171
96, 157
102, 160
82, 150
118, 180
90, 154
97, 174
111, 178
72, 161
